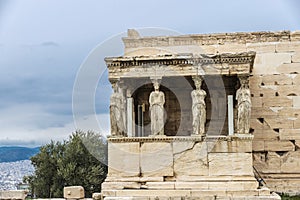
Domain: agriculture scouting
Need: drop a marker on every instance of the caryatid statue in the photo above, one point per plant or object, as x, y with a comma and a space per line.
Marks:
157, 101
117, 112
198, 107
244, 106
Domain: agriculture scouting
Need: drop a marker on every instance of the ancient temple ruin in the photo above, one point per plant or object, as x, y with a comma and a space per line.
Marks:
192, 115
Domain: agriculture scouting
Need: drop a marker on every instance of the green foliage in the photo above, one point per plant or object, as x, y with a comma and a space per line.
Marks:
78, 161
288, 197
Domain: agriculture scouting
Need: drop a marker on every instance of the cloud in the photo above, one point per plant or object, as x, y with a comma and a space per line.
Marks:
10, 142
33, 125
50, 44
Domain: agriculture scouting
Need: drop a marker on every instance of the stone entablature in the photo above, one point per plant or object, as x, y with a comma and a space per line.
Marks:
179, 65
213, 39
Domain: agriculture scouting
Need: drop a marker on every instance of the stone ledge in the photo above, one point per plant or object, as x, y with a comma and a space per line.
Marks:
183, 179
162, 194
181, 138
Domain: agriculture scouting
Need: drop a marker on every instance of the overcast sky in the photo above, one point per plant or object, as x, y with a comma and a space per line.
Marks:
46, 44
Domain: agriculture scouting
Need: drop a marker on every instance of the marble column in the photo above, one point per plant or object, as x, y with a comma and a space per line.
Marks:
122, 91
130, 122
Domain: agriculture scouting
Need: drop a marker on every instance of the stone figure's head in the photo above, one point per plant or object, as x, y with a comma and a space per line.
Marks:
197, 81
244, 81
115, 85
156, 86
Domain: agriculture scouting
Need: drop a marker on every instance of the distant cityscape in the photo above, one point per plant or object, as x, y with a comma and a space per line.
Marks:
12, 173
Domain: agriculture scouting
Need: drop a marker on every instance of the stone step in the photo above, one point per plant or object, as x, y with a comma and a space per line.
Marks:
213, 185
275, 197
148, 194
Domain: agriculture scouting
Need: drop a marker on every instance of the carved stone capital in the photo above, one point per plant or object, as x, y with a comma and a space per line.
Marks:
197, 81
156, 80
114, 84
244, 80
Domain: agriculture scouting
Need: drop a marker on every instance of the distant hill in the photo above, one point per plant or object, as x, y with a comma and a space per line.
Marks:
12, 154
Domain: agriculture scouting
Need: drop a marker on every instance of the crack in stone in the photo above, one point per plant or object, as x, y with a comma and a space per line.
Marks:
188, 149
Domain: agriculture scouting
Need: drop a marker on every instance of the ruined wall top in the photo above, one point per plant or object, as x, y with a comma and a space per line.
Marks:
214, 44
135, 41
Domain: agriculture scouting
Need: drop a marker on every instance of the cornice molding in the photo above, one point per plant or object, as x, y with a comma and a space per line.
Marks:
180, 59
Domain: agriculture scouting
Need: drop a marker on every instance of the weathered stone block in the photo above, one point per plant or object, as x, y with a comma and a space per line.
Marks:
288, 112
156, 159
242, 193
277, 123
191, 185
296, 57
261, 112
261, 47
181, 146
277, 79
264, 192
268, 91
235, 146
267, 63
279, 146
259, 160
266, 134
291, 162
230, 164
258, 145
289, 90
296, 101
123, 159
257, 102
289, 134
97, 196
233, 185
209, 194
289, 68
120, 185
160, 185
122, 179
152, 193
295, 36
13, 194
231, 48
151, 179
257, 124
191, 159
277, 102
296, 79
110, 193
297, 123
255, 79
284, 185
288, 46
209, 49
74, 192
